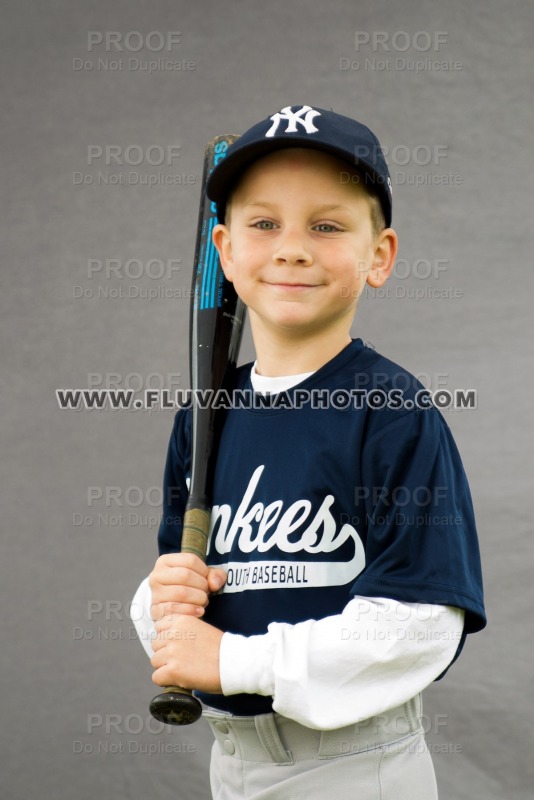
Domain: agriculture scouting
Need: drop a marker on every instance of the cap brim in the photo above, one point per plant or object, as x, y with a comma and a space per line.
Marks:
222, 180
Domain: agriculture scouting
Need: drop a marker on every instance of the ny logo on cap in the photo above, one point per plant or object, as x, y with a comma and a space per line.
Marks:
302, 117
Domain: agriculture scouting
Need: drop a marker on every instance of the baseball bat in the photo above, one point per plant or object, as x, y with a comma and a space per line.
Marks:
216, 326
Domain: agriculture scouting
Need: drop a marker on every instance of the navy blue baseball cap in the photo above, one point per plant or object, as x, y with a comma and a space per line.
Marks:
304, 126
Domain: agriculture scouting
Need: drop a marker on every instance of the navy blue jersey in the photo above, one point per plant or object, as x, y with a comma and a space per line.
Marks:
340, 486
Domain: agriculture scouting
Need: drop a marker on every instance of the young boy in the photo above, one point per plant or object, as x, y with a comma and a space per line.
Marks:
344, 569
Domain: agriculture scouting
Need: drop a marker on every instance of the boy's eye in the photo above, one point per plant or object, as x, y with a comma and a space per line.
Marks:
264, 225
326, 227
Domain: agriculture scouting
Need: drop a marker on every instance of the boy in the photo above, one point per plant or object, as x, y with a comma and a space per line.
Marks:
344, 566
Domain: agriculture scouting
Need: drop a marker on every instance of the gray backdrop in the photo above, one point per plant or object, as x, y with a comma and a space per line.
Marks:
96, 271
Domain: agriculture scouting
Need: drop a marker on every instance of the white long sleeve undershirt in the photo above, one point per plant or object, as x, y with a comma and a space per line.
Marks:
375, 655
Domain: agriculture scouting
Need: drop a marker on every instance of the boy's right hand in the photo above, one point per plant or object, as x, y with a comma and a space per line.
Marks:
181, 584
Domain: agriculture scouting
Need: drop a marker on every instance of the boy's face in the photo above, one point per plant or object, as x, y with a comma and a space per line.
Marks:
299, 245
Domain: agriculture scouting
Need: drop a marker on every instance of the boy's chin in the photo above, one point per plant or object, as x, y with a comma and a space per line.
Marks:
299, 320
296, 326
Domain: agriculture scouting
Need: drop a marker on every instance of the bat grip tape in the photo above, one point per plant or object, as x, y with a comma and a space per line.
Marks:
196, 531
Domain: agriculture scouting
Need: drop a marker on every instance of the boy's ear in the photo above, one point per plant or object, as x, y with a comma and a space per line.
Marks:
223, 245
385, 253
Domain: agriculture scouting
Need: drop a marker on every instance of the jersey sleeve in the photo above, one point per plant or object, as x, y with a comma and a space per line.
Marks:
175, 490
421, 543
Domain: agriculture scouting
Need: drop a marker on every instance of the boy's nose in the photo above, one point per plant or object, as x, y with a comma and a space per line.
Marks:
291, 249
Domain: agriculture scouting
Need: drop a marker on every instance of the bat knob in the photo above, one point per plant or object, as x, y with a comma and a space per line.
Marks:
176, 706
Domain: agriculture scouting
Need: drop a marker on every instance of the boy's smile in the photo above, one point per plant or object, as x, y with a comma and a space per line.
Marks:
299, 247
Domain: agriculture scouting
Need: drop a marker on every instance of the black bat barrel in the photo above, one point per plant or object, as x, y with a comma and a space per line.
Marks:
216, 327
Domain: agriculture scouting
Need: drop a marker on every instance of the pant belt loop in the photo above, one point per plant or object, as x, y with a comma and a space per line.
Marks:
413, 710
270, 739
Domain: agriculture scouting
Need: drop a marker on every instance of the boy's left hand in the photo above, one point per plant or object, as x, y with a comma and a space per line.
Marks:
186, 653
